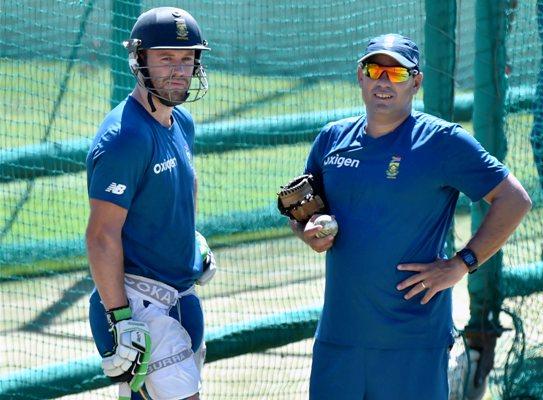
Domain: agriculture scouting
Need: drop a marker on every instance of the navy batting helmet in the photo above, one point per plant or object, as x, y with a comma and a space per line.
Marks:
167, 28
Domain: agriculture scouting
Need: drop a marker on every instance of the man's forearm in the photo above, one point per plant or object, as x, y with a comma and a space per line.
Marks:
107, 269
504, 215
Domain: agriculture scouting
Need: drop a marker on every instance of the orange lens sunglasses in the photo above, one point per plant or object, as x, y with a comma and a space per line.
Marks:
395, 74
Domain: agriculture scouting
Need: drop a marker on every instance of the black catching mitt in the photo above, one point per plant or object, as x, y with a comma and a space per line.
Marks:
300, 198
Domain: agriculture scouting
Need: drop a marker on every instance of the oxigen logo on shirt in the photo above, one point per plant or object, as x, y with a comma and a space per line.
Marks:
340, 162
167, 165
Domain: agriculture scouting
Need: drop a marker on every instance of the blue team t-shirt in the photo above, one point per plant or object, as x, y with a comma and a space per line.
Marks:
394, 199
146, 168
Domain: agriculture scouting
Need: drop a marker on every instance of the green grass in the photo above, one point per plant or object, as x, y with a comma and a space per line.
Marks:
247, 286
234, 181
57, 209
36, 87
241, 180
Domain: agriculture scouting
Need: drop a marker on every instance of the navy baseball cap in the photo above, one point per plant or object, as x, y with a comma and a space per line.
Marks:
399, 47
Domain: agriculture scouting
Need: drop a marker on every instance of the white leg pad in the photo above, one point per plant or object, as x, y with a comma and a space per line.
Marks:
173, 371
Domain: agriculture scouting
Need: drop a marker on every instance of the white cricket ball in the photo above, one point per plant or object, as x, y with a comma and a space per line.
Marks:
329, 226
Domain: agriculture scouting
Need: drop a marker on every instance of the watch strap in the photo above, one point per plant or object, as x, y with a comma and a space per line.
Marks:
469, 258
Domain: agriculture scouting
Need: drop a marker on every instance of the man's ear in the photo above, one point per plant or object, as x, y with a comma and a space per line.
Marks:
359, 74
417, 81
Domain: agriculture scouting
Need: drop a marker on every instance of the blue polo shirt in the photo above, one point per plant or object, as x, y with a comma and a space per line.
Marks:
146, 168
394, 199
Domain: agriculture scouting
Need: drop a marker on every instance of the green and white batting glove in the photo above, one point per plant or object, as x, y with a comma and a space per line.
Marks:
208, 260
129, 360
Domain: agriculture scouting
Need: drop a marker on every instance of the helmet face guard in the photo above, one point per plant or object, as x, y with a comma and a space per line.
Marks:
167, 28
196, 90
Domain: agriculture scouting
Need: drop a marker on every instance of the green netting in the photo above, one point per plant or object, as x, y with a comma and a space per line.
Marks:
278, 71
521, 373
488, 126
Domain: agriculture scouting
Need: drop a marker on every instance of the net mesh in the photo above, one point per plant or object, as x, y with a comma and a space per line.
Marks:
278, 71
520, 354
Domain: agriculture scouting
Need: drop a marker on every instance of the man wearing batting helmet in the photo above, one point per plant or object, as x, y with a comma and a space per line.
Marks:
144, 253
386, 325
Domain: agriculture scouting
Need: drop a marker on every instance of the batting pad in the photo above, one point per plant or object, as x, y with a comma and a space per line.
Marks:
172, 372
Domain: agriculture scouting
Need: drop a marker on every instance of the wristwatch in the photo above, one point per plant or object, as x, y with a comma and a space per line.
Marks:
469, 258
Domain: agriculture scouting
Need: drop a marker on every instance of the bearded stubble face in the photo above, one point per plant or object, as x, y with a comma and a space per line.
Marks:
175, 93
171, 72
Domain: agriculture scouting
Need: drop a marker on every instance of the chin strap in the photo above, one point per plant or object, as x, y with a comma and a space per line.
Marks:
150, 101
162, 100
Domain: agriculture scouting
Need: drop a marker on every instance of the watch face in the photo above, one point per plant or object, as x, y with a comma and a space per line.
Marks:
468, 257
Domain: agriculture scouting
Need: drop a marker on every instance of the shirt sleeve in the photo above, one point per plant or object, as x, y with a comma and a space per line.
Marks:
313, 163
116, 166
468, 167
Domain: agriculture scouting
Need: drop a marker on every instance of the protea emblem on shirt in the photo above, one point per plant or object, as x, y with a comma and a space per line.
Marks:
393, 167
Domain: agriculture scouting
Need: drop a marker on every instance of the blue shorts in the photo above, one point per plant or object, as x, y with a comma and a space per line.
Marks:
354, 373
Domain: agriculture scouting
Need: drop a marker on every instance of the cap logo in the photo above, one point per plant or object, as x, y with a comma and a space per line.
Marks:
181, 28
389, 41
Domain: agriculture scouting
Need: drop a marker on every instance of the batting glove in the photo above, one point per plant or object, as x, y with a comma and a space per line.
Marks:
208, 260
129, 359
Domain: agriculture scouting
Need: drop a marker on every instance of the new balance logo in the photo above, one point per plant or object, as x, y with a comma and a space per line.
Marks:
116, 188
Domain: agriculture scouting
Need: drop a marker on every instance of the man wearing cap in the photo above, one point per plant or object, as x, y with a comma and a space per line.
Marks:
144, 253
386, 324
